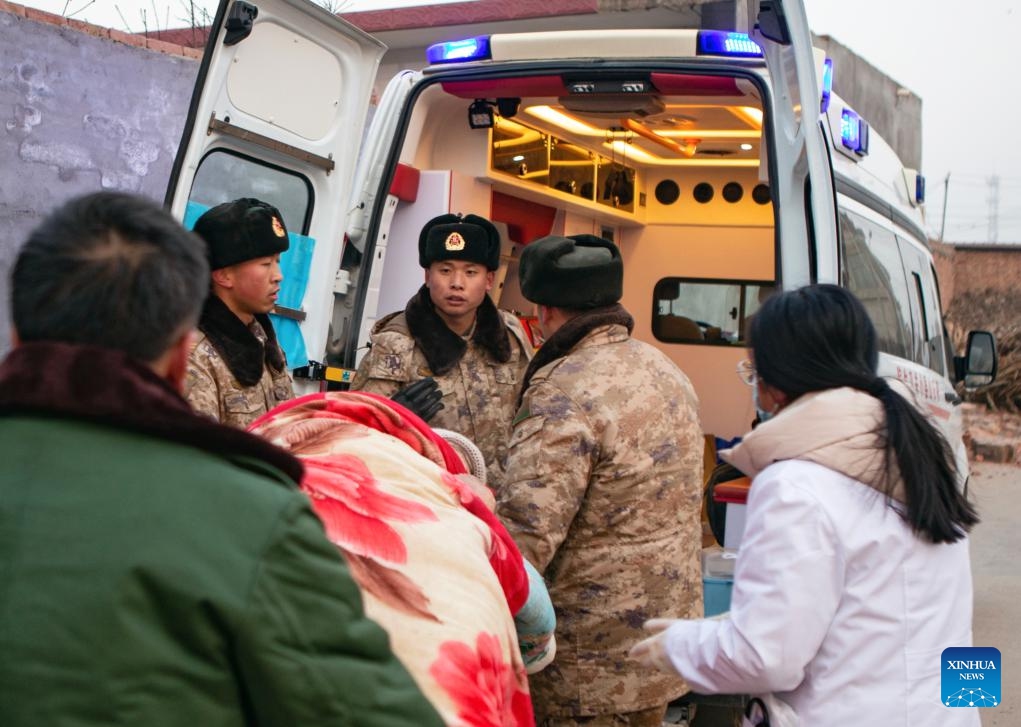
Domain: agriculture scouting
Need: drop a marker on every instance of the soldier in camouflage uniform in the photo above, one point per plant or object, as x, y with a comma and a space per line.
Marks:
236, 369
603, 487
452, 331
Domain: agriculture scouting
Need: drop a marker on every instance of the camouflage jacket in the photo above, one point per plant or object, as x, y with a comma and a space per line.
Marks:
479, 393
603, 494
212, 389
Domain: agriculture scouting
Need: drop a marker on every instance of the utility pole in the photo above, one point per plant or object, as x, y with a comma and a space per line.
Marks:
946, 193
994, 208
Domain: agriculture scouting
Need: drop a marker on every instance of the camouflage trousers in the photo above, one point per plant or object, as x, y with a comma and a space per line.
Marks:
644, 718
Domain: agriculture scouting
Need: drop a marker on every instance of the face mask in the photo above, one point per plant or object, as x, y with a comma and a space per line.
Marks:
761, 413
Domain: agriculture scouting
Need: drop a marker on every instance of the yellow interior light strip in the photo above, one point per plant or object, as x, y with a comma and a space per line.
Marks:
551, 116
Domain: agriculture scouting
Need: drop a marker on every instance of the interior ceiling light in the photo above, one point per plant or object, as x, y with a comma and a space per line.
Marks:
746, 147
524, 136
709, 134
551, 116
749, 114
629, 151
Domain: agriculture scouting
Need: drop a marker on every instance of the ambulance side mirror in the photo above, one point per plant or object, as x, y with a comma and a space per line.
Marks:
977, 367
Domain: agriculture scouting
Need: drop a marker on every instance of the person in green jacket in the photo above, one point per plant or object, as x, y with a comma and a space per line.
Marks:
157, 568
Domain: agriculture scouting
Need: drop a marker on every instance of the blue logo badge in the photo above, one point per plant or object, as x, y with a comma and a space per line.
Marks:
970, 676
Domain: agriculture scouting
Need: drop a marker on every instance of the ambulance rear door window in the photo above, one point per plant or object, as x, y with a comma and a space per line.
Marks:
224, 176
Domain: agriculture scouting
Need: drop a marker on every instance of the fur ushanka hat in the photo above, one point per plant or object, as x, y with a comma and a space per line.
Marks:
242, 230
576, 272
453, 237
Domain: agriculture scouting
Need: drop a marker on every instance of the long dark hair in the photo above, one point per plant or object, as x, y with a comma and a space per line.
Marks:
820, 337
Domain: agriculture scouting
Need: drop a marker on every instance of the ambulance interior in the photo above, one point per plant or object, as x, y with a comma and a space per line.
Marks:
676, 174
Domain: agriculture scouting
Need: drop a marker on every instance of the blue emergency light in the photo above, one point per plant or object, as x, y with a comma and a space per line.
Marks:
854, 132
460, 51
827, 83
722, 43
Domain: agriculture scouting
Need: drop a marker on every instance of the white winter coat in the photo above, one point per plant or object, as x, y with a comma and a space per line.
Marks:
837, 605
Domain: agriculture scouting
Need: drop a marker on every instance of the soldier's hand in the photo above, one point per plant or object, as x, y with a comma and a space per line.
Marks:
422, 397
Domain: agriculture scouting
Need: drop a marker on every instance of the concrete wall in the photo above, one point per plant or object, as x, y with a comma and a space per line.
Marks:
83, 108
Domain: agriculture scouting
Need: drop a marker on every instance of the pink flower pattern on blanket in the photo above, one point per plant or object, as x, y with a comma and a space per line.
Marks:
355, 511
436, 567
486, 689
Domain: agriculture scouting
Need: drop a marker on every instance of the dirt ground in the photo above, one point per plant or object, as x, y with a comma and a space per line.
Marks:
992, 436
995, 543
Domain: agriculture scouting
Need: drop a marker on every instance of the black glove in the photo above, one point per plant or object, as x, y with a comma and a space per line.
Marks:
422, 397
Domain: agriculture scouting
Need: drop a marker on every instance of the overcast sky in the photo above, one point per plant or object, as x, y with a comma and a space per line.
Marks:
956, 59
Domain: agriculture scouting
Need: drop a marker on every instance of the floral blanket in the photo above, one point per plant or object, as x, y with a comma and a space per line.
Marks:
437, 569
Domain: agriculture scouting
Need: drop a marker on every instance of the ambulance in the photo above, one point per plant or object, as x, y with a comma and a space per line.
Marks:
721, 163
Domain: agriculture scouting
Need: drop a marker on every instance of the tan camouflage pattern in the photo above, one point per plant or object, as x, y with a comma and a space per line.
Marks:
603, 494
644, 718
479, 394
211, 388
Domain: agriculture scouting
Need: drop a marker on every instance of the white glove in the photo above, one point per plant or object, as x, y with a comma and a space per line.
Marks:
652, 651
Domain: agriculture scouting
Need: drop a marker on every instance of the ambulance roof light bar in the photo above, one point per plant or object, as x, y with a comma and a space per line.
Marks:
854, 132
827, 83
460, 51
723, 43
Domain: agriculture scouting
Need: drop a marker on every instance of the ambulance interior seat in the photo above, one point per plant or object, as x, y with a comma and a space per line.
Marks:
680, 327
714, 333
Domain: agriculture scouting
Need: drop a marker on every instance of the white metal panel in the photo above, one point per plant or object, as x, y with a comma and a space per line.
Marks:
260, 85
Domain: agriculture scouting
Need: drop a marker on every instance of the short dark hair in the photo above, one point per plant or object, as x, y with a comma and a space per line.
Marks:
109, 269
821, 337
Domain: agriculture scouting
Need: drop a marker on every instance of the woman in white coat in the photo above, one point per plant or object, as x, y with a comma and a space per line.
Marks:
853, 572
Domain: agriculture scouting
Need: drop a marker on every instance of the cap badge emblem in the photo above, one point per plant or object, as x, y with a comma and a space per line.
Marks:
278, 228
454, 241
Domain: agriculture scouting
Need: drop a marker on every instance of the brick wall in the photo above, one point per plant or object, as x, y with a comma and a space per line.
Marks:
986, 268
969, 269
943, 261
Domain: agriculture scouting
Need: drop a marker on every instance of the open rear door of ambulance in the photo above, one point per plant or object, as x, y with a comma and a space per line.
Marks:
277, 114
801, 176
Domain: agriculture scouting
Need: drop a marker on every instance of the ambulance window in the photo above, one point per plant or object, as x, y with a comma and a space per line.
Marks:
929, 343
223, 176
873, 271
697, 310
948, 348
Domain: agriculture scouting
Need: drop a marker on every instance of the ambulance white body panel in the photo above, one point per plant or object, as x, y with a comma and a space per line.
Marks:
720, 163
